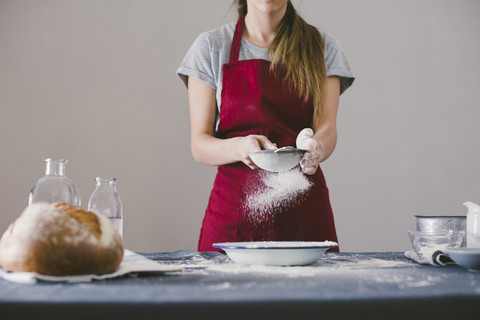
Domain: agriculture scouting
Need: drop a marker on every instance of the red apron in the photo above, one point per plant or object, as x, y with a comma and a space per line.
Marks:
254, 101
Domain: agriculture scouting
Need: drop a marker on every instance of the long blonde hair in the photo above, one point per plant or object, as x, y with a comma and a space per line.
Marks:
298, 50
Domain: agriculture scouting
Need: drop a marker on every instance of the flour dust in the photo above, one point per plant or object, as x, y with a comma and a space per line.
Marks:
277, 190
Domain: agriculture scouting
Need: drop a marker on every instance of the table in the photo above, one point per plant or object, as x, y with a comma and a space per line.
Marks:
382, 285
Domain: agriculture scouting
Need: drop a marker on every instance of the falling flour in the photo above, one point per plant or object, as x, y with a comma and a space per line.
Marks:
277, 189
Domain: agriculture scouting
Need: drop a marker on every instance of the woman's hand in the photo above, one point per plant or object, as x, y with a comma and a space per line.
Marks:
208, 149
320, 145
311, 159
253, 143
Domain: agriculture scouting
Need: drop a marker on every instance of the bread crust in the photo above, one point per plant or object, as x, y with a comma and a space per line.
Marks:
60, 240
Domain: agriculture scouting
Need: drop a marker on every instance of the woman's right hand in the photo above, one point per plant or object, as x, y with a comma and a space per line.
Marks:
206, 147
252, 143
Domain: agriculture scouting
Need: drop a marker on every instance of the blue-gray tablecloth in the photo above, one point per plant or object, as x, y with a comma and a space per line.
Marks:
338, 286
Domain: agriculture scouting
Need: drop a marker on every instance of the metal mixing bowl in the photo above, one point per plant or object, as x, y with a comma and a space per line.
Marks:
440, 223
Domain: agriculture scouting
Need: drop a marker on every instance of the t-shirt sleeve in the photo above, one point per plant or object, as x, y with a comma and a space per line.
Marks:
198, 62
336, 63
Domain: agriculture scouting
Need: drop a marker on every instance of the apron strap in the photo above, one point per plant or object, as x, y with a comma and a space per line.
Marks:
237, 40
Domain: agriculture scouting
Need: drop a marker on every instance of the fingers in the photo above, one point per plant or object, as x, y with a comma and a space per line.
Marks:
311, 145
303, 135
309, 170
250, 163
267, 145
311, 158
264, 143
254, 143
308, 164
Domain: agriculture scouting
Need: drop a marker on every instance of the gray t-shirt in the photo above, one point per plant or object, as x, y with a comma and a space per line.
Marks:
211, 50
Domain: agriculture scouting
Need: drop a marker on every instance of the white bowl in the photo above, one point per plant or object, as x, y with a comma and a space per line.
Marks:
466, 257
275, 253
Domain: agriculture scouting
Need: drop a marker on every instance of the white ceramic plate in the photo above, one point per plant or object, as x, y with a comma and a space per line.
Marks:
275, 253
466, 257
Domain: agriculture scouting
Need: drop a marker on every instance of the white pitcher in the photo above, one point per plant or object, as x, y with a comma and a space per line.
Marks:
473, 225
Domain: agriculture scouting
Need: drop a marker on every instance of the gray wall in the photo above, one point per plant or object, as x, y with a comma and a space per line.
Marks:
93, 81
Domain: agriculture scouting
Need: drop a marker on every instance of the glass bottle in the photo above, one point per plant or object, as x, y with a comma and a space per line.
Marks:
473, 225
55, 186
106, 200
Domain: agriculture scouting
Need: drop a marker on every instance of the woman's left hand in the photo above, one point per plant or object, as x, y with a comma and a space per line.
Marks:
311, 159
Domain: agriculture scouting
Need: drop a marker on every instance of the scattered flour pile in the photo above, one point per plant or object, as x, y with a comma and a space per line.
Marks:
277, 189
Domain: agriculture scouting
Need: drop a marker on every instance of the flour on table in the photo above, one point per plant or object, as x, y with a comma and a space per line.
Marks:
277, 189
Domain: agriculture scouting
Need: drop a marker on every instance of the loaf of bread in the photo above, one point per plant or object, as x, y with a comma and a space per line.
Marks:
60, 239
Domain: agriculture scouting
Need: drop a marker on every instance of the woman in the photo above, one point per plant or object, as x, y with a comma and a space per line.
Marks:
270, 80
